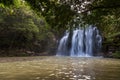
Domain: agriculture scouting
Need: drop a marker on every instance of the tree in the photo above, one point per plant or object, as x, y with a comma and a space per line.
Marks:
56, 14
20, 27
105, 15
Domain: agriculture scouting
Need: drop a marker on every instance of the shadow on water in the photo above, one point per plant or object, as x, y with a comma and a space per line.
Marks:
62, 68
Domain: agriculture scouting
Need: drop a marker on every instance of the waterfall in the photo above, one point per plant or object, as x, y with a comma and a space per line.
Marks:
85, 43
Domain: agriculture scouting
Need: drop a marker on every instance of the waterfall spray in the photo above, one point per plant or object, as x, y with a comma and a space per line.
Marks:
85, 43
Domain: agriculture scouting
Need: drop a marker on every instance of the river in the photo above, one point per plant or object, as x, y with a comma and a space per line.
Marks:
59, 68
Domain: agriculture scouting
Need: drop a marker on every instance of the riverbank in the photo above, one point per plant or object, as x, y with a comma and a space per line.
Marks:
24, 53
20, 59
32, 58
21, 53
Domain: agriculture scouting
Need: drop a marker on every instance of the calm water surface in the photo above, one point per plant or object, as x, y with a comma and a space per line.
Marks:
60, 68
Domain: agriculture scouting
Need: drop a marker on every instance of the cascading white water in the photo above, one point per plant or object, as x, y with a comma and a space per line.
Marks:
85, 43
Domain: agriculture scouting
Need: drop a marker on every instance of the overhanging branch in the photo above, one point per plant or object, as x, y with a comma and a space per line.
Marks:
101, 7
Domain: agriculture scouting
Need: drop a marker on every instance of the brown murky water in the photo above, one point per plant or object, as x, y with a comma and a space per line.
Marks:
60, 68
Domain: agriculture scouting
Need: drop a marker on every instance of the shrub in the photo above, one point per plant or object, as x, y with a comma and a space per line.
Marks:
116, 54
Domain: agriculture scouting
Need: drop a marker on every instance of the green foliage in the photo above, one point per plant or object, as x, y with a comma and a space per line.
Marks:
57, 15
105, 15
19, 28
7, 2
114, 35
116, 54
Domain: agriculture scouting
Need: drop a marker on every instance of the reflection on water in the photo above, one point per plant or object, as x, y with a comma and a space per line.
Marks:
61, 68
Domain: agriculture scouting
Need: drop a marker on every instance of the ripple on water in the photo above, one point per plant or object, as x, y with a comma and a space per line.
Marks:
81, 70
37, 78
84, 77
52, 75
70, 72
64, 68
67, 76
63, 78
87, 77
66, 73
72, 78
60, 72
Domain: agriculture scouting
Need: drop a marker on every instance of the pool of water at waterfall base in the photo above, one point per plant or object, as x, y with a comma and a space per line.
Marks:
59, 68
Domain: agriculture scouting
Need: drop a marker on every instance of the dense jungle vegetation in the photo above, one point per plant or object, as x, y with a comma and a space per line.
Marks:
30, 27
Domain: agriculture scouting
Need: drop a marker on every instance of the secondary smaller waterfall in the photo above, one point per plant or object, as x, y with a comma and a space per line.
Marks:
84, 42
